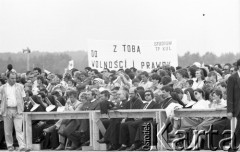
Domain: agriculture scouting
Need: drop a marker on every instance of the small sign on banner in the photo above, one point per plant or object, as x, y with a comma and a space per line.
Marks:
70, 65
143, 55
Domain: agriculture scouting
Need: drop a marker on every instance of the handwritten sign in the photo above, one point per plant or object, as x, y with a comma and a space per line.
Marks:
143, 55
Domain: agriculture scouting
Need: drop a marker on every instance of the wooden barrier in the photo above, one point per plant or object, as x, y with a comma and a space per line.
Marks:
200, 112
206, 113
94, 117
29, 116
158, 114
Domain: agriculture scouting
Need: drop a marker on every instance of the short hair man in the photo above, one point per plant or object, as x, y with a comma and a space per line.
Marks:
233, 101
12, 97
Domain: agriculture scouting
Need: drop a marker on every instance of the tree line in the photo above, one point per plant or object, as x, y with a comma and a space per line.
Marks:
57, 62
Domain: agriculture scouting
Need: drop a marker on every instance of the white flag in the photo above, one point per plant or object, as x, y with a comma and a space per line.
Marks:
46, 71
70, 65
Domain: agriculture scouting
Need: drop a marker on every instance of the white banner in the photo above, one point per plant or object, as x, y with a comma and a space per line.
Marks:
143, 55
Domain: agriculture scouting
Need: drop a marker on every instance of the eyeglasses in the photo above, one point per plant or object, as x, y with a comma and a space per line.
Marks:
147, 95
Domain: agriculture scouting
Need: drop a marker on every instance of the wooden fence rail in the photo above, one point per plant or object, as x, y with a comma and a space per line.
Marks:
94, 118
158, 114
29, 116
206, 113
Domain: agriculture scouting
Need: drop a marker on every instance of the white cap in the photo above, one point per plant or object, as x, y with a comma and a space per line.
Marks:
197, 64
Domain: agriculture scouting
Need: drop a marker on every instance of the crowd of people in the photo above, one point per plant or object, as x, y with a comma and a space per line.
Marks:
197, 86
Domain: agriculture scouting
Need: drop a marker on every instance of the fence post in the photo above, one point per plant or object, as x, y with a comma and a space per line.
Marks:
95, 118
28, 120
163, 118
24, 127
91, 128
233, 127
158, 129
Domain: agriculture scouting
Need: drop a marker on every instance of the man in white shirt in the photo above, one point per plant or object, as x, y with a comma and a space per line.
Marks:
12, 106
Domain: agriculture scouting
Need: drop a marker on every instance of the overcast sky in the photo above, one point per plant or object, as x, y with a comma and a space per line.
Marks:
60, 25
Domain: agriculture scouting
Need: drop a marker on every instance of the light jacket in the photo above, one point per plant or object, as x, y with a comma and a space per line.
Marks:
19, 98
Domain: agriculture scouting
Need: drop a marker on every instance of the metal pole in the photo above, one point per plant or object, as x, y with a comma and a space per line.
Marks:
28, 61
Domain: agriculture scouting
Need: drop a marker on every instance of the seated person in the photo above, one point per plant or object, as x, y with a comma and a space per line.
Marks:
217, 102
72, 105
189, 122
135, 140
112, 136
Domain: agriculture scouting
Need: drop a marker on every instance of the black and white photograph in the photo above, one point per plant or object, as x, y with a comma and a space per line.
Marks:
119, 75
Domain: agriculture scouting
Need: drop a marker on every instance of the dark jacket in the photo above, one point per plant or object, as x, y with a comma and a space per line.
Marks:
135, 103
91, 105
152, 105
105, 106
233, 94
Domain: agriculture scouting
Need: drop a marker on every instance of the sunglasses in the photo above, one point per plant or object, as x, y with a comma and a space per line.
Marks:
195, 93
147, 95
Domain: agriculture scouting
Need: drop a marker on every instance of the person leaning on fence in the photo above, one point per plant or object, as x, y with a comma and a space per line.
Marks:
79, 135
37, 125
135, 127
12, 97
48, 140
111, 136
65, 126
134, 103
189, 122
216, 103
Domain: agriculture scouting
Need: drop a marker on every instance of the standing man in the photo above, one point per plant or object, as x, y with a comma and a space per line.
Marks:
233, 102
12, 106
